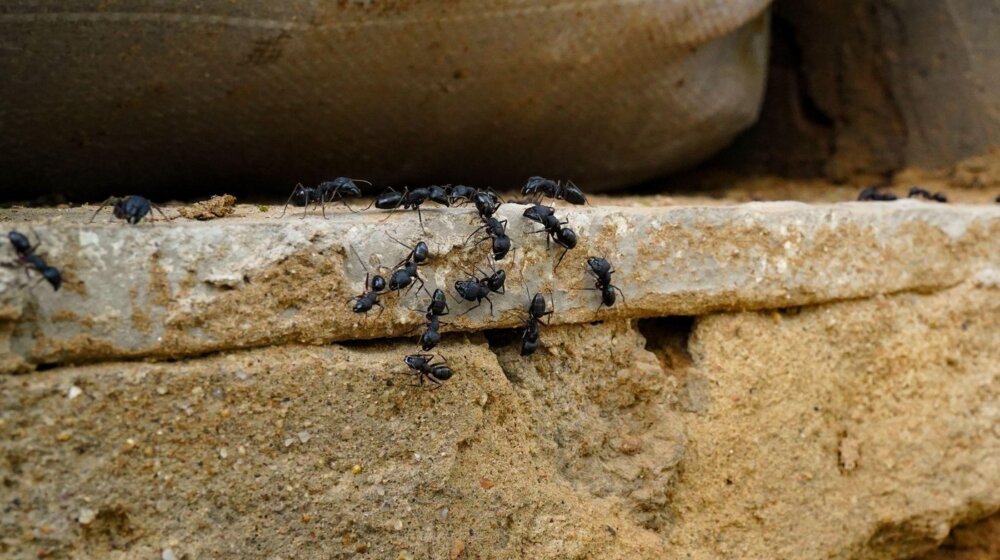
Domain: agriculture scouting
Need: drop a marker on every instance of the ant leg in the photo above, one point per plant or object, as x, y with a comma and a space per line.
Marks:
287, 202
471, 308
381, 308
437, 384
474, 232
488, 300
565, 250
157, 208
421, 219
110, 200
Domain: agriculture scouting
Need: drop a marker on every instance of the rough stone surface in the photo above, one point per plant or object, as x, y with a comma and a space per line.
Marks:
858, 429
183, 288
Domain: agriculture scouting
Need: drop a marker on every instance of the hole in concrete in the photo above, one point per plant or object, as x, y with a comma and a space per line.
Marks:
501, 338
667, 338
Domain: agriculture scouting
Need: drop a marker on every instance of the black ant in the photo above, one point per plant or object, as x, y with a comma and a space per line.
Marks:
423, 367
405, 272
602, 271
497, 231
924, 193
487, 203
327, 191
391, 199
368, 298
438, 305
562, 236
478, 289
431, 336
530, 334
873, 194
537, 187
131, 208
26, 254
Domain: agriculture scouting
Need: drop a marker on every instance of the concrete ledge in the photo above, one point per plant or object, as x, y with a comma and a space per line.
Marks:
183, 288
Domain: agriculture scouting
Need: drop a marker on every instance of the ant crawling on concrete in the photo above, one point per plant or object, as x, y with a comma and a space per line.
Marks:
327, 191
495, 230
538, 187
368, 298
487, 203
602, 270
423, 367
562, 236
391, 200
432, 335
478, 289
530, 334
26, 255
406, 271
132, 209
873, 194
924, 193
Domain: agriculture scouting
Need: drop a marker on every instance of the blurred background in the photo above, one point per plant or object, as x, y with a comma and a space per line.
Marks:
179, 100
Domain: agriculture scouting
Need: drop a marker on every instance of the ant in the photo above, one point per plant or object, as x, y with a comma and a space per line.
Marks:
487, 202
562, 236
431, 336
327, 191
537, 308
438, 305
423, 367
132, 208
364, 302
873, 194
497, 231
602, 271
391, 199
537, 187
405, 272
478, 289
26, 254
924, 193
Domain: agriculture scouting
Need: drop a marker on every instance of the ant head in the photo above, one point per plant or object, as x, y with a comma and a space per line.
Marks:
415, 361
52, 275
438, 295
439, 194
421, 252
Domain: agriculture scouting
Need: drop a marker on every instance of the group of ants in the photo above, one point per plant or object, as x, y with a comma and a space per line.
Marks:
405, 274
133, 209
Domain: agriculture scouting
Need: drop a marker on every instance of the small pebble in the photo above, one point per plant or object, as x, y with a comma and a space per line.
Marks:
457, 548
306, 518
161, 390
304, 437
168, 554
356, 469
86, 516
63, 436
397, 525
346, 432
486, 483
223, 453
288, 442
74, 392
483, 399
443, 514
